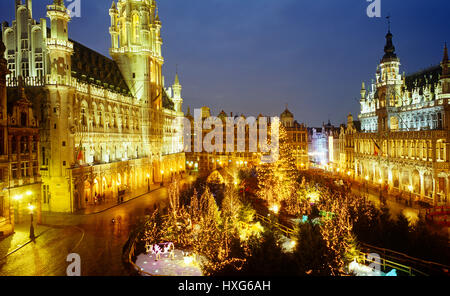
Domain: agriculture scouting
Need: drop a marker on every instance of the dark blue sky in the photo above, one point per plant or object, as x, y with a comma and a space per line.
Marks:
254, 56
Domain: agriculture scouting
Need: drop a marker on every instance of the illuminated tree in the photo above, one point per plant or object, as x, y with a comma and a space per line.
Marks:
336, 229
174, 198
231, 206
277, 181
208, 235
154, 229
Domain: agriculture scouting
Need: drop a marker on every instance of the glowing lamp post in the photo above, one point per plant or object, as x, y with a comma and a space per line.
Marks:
148, 182
31, 208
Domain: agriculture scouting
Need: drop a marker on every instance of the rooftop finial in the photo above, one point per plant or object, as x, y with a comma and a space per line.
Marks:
389, 22
177, 79
445, 53
389, 48
445, 63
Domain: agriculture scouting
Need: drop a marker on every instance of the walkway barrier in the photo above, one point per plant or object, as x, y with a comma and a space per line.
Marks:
383, 264
127, 257
418, 266
286, 230
129, 251
388, 258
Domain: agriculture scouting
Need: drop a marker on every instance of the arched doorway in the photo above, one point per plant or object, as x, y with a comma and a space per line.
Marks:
428, 185
395, 178
404, 180
87, 196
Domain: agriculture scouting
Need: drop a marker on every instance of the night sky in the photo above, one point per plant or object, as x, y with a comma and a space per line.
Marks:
256, 56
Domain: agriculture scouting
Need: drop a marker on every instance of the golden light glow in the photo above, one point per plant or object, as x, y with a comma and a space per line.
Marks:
293, 243
29, 193
349, 173
31, 208
313, 197
380, 181
18, 197
367, 178
275, 209
188, 260
410, 188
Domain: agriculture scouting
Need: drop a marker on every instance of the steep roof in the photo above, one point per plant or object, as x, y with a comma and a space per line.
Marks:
167, 102
93, 67
424, 77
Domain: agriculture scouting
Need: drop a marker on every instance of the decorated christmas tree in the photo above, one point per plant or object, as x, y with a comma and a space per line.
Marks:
277, 181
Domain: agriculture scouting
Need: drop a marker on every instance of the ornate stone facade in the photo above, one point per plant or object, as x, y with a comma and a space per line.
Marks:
108, 127
204, 162
405, 131
19, 154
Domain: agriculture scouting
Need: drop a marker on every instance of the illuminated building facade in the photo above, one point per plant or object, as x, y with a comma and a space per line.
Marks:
108, 127
298, 138
347, 146
323, 145
204, 162
404, 138
19, 154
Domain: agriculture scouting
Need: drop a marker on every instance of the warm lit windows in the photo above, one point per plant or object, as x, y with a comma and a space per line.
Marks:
46, 194
12, 65
440, 150
24, 44
39, 69
24, 167
25, 69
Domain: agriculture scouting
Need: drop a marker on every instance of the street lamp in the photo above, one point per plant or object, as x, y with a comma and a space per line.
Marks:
148, 182
31, 208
